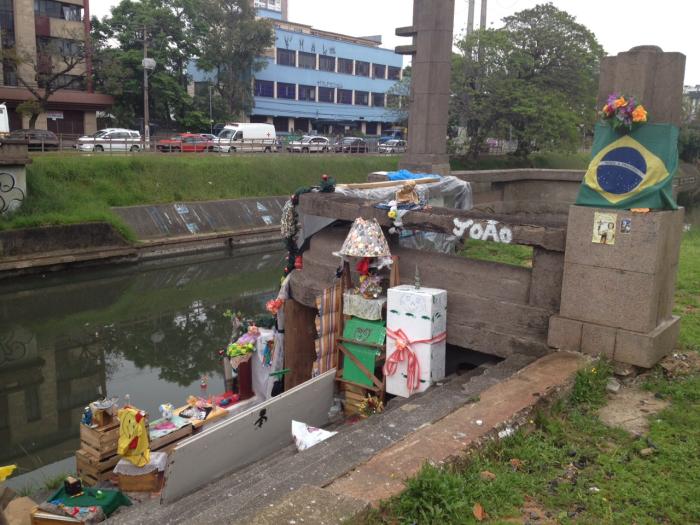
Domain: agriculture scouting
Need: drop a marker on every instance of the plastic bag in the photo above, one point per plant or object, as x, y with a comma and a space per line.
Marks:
306, 436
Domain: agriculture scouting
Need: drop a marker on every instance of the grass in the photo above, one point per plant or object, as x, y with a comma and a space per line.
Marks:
73, 189
544, 160
572, 467
515, 254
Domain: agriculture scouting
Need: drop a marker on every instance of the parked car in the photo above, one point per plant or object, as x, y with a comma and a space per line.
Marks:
351, 145
208, 136
309, 144
393, 146
186, 143
246, 137
392, 134
111, 139
39, 139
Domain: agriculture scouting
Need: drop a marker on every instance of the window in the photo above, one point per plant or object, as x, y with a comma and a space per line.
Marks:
361, 98
54, 9
59, 46
394, 73
326, 94
307, 93
285, 90
361, 68
378, 70
307, 60
378, 100
286, 57
264, 88
326, 63
344, 96
9, 73
345, 66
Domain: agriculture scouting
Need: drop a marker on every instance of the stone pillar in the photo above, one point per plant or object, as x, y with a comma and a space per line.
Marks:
13, 174
433, 21
617, 298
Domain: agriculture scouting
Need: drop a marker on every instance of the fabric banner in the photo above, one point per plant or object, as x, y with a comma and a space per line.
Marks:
328, 328
632, 171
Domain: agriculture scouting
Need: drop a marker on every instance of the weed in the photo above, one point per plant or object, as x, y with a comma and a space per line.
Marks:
589, 384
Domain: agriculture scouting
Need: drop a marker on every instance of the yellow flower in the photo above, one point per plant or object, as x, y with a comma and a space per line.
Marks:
392, 214
619, 103
639, 114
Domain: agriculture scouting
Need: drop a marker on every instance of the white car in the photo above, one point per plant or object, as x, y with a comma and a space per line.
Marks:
393, 146
111, 139
309, 144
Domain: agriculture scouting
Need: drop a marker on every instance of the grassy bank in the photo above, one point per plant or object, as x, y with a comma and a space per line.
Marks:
73, 189
571, 467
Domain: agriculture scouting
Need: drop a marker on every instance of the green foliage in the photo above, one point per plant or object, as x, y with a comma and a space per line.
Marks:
514, 254
589, 384
689, 144
71, 189
231, 48
533, 79
545, 160
688, 290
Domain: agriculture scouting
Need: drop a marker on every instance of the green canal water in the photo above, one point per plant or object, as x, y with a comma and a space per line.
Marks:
150, 331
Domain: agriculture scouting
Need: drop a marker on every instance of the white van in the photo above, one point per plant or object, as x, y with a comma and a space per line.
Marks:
246, 137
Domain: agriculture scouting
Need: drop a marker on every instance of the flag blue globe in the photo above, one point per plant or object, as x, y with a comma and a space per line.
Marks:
621, 170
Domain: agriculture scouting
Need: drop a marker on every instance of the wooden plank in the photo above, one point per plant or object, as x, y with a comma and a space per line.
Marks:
527, 230
247, 437
299, 342
384, 183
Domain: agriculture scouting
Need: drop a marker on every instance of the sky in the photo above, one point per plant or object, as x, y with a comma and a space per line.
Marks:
618, 24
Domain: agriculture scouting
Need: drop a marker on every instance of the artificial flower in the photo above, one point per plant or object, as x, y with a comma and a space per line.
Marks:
639, 114
392, 214
620, 102
608, 110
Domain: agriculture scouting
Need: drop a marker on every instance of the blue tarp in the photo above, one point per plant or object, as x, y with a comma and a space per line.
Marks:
408, 175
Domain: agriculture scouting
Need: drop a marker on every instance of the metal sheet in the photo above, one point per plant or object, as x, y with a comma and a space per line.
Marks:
247, 437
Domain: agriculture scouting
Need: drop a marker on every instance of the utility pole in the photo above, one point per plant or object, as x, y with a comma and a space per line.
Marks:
146, 119
211, 120
470, 17
482, 25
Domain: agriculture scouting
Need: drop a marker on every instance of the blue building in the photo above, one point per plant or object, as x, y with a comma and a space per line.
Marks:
322, 81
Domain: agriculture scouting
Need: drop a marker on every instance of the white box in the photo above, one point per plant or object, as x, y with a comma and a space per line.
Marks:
421, 313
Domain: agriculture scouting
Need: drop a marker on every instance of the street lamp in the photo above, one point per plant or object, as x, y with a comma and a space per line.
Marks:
148, 65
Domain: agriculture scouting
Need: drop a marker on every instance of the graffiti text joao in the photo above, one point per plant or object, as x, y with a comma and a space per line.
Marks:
490, 232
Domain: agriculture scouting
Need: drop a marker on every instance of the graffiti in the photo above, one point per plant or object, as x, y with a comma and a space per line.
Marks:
13, 348
11, 196
489, 232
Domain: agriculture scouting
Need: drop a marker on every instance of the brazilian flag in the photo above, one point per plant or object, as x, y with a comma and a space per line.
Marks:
632, 171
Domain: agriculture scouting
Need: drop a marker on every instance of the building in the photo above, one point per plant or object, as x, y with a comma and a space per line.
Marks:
322, 81
30, 26
691, 99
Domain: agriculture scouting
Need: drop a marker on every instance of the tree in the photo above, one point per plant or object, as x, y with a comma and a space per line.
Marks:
172, 30
534, 79
397, 98
232, 48
57, 64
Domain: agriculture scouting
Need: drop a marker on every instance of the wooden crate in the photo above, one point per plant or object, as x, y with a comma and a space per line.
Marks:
354, 395
151, 482
162, 442
93, 470
100, 442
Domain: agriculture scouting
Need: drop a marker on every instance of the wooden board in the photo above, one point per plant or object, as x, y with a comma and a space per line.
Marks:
299, 342
172, 437
247, 437
151, 482
40, 517
216, 413
93, 471
385, 183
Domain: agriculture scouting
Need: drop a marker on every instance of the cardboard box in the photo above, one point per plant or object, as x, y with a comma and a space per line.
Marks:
421, 313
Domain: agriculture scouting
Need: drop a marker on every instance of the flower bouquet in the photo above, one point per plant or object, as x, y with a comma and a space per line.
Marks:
623, 113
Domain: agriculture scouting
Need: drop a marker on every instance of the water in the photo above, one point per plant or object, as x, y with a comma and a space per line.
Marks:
150, 330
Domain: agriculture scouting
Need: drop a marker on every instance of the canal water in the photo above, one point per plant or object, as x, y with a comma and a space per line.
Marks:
150, 331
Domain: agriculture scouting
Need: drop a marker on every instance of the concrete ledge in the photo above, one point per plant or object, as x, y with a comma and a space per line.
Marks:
383, 476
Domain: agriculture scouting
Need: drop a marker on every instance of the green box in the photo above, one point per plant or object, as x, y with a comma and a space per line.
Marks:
362, 331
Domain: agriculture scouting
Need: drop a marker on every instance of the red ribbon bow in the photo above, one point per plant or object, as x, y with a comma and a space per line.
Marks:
404, 351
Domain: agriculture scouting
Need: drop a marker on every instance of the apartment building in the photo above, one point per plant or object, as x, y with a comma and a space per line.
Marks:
36, 29
319, 80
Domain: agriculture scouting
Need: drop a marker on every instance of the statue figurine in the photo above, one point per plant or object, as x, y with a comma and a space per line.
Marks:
87, 417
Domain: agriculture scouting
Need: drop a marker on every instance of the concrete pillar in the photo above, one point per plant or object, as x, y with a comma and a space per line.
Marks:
290, 123
269, 120
363, 127
653, 77
90, 122
617, 297
430, 86
25, 37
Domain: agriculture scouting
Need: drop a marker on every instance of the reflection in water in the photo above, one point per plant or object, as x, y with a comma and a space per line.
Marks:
150, 331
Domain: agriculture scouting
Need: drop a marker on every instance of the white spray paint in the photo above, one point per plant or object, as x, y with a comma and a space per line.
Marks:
477, 231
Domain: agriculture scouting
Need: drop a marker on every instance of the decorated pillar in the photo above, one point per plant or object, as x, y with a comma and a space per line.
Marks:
13, 174
624, 233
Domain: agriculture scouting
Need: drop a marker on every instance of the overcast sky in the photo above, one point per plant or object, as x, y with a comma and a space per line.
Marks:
618, 25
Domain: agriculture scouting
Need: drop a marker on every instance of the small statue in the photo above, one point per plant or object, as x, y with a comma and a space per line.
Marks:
87, 417
166, 410
408, 194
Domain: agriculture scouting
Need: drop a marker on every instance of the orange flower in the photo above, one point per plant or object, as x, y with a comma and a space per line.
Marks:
619, 103
639, 114
607, 110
